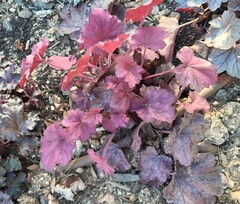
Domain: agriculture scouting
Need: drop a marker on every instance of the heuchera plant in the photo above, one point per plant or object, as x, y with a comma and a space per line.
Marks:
113, 86
223, 35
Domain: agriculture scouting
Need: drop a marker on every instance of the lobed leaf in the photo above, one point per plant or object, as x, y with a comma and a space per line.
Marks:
155, 104
233, 5
199, 183
155, 169
101, 162
81, 125
149, 37
182, 144
227, 60
14, 122
224, 31
114, 121
196, 103
195, 72
55, 148
73, 19
102, 26
115, 157
127, 69
9, 79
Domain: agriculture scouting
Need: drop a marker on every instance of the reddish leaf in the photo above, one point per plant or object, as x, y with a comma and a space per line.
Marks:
81, 65
155, 104
33, 60
155, 169
195, 72
198, 183
93, 116
116, 120
140, 13
101, 163
128, 69
196, 103
120, 100
115, 157
81, 125
62, 63
55, 148
149, 37
186, 9
101, 27
183, 143
111, 45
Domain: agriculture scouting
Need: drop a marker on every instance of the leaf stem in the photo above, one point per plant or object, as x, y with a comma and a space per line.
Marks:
160, 74
143, 56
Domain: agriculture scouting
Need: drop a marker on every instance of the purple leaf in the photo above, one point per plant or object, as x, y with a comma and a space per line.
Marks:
81, 125
120, 101
115, 157
14, 122
8, 78
80, 99
100, 97
116, 120
195, 72
155, 169
149, 37
121, 94
183, 143
128, 69
227, 60
155, 104
55, 147
101, 27
198, 183
5, 198
223, 32
73, 19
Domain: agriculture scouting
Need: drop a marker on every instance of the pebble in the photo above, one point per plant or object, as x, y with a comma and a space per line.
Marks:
25, 13
215, 132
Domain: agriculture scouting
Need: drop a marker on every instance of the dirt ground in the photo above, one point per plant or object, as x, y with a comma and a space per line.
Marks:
18, 32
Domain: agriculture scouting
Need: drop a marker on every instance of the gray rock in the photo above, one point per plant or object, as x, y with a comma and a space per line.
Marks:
215, 132
25, 13
231, 116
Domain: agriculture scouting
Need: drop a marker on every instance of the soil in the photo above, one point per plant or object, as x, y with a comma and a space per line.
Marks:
91, 185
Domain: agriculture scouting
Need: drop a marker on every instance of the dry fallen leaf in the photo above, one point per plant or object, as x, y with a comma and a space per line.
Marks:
223, 159
235, 195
